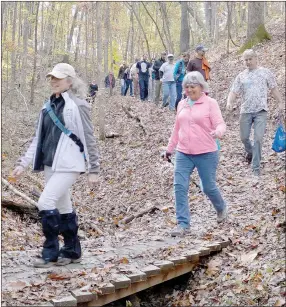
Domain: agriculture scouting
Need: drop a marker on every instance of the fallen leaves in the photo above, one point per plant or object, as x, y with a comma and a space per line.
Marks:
56, 276
16, 285
246, 259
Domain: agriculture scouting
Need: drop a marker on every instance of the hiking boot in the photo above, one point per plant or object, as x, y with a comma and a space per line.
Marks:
222, 216
64, 261
248, 157
41, 263
69, 230
179, 231
256, 172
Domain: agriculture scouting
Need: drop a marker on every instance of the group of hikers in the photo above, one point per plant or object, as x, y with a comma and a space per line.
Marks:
149, 79
64, 145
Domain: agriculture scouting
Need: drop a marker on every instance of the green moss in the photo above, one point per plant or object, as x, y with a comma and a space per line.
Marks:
260, 35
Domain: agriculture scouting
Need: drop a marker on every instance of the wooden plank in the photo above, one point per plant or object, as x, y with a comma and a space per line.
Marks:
106, 288
151, 270
139, 286
192, 255
204, 251
164, 265
83, 296
69, 301
137, 277
214, 247
179, 260
223, 244
120, 282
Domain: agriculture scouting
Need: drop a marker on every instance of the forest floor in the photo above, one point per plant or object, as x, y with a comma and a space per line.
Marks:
251, 271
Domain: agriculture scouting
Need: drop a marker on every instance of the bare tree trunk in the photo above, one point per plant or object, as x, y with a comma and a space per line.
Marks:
35, 55
127, 45
255, 17
99, 39
185, 31
25, 47
106, 40
132, 38
132, 7
156, 25
78, 37
167, 26
93, 39
69, 39
86, 45
13, 59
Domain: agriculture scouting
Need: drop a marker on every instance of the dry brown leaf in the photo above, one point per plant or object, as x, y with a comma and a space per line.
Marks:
280, 302
16, 285
247, 258
55, 276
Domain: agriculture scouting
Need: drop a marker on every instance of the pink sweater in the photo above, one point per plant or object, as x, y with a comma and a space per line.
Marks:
193, 125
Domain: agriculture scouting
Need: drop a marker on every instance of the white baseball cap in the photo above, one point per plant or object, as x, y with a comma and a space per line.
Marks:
170, 55
61, 71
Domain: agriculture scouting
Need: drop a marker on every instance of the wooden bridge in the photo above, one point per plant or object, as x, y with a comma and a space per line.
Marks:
131, 276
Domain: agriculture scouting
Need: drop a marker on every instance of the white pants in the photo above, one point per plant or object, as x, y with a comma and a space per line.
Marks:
56, 194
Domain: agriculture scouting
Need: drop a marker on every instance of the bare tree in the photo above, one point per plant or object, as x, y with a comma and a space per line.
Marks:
35, 54
185, 31
255, 17
99, 39
107, 37
166, 26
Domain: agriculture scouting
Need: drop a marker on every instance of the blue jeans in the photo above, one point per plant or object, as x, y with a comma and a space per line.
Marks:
169, 89
143, 85
128, 83
206, 165
179, 92
258, 119
122, 83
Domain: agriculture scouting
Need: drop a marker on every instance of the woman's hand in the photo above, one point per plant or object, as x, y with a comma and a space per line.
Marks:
215, 135
166, 156
93, 179
17, 172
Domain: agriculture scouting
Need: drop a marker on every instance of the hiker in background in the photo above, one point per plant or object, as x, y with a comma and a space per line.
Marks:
151, 84
158, 83
109, 80
121, 71
128, 81
252, 85
62, 158
135, 78
169, 84
198, 123
179, 73
143, 68
200, 63
93, 88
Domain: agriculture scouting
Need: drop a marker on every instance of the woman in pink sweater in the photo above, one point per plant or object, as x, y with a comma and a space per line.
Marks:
198, 123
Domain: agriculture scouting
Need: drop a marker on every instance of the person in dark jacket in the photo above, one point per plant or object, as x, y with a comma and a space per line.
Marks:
128, 81
63, 158
121, 71
200, 63
158, 84
93, 88
143, 68
109, 79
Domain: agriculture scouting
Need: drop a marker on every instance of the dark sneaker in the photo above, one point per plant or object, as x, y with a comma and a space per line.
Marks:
41, 263
179, 231
222, 216
64, 261
248, 158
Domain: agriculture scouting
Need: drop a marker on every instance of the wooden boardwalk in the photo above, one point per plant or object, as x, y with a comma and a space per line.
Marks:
135, 276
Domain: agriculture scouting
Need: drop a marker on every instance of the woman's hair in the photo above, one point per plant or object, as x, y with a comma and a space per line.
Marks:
78, 87
249, 52
197, 78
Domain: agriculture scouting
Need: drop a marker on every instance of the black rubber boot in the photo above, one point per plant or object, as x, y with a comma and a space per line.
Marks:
71, 251
51, 225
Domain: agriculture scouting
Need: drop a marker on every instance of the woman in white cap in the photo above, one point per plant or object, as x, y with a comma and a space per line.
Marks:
198, 123
64, 146
169, 84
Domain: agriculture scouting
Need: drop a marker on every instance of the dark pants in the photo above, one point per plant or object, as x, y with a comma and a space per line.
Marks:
128, 83
179, 92
143, 84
